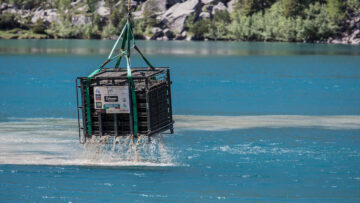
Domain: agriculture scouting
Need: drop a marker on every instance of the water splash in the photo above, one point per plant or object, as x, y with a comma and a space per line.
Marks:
48, 141
128, 149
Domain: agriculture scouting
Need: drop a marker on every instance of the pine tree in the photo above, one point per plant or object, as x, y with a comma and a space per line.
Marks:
335, 10
290, 7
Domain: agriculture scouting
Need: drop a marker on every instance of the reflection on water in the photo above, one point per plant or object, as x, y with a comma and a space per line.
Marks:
85, 47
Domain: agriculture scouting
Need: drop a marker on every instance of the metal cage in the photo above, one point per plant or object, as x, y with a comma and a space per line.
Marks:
153, 96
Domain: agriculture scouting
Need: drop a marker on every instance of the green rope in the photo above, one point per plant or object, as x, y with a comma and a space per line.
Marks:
143, 57
132, 34
88, 111
122, 46
127, 36
117, 41
119, 55
87, 98
131, 81
138, 50
133, 97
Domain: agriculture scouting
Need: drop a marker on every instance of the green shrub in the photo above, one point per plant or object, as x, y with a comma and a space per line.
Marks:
8, 21
109, 31
218, 26
39, 27
318, 25
352, 5
249, 7
199, 29
290, 8
273, 25
335, 11
92, 5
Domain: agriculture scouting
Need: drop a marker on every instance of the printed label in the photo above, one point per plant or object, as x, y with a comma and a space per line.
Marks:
111, 98
98, 97
114, 99
98, 105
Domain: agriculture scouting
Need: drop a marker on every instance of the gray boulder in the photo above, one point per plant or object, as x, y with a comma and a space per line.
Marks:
80, 19
352, 33
164, 38
181, 36
219, 7
204, 15
83, 9
4, 6
157, 7
11, 10
207, 8
207, 1
156, 33
168, 34
75, 3
137, 14
102, 9
213, 2
355, 41
175, 16
48, 15
170, 3
230, 5
355, 37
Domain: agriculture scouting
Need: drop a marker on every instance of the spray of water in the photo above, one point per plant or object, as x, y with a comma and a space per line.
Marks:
127, 149
49, 141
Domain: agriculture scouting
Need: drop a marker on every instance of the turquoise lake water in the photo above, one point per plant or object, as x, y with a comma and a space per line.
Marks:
254, 121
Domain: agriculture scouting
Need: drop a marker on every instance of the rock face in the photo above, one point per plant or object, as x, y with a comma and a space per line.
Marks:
80, 20
168, 33
4, 6
352, 34
48, 15
168, 16
230, 5
102, 10
170, 3
157, 7
156, 33
204, 15
207, 1
219, 7
175, 16
83, 9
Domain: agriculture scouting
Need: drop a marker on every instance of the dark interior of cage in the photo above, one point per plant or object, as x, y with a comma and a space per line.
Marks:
153, 102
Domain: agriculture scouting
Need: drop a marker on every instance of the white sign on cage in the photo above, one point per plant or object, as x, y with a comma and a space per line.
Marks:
114, 99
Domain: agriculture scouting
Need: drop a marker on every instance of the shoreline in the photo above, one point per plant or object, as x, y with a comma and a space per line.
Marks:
330, 41
192, 20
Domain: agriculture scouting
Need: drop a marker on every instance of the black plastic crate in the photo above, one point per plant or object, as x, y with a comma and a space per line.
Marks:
153, 96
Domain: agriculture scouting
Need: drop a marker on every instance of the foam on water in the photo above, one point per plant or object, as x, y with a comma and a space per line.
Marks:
219, 123
50, 141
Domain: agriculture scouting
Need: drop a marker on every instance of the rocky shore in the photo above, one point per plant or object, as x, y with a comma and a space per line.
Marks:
351, 32
169, 18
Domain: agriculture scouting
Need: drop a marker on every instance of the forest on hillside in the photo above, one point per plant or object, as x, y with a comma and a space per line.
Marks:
245, 20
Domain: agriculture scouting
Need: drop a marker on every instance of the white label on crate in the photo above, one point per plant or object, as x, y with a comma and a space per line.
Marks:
114, 99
